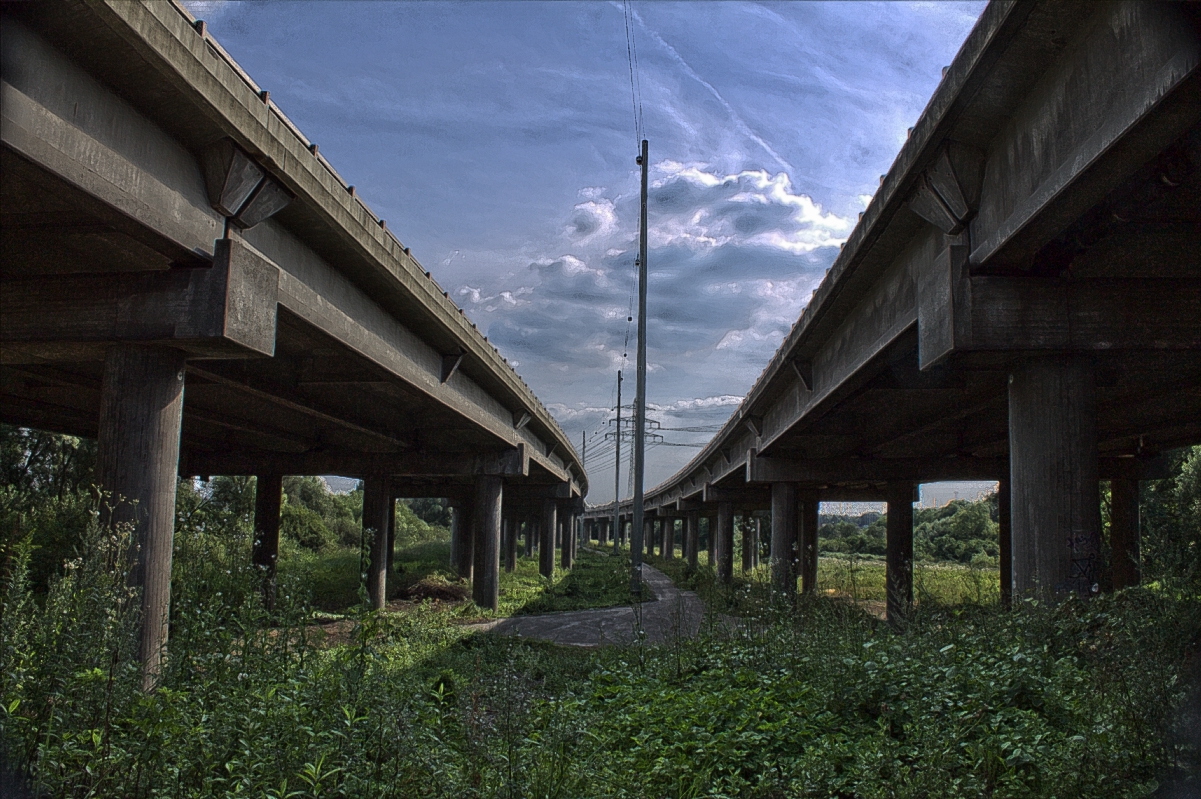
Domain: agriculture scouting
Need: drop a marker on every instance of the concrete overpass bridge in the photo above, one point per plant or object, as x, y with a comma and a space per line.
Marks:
188, 280
1020, 302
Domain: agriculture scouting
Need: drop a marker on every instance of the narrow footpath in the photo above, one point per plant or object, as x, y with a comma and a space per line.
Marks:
671, 614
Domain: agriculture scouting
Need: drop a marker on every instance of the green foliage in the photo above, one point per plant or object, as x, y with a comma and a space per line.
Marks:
54, 527
433, 512
959, 531
39, 465
45, 495
1080, 699
1170, 517
304, 527
411, 530
845, 536
312, 493
594, 581
1076, 700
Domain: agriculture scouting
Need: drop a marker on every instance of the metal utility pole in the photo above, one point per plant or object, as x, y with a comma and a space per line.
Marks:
640, 398
617, 473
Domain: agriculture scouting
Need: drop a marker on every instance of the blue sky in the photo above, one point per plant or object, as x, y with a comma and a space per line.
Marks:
498, 140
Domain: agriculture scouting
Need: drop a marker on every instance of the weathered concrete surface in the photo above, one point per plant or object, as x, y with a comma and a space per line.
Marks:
673, 613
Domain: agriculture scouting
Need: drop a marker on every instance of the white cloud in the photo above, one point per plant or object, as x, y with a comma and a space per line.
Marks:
718, 209
593, 219
698, 403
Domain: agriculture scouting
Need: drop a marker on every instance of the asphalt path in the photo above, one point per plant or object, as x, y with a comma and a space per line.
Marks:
672, 613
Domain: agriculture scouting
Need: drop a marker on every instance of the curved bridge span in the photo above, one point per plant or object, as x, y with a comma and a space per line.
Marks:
187, 279
1020, 302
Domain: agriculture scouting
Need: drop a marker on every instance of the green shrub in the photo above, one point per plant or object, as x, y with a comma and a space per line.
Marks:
304, 527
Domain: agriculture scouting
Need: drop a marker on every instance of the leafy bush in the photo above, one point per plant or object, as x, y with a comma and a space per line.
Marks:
960, 531
304, 527
433, 512
1081, 699
1076, 700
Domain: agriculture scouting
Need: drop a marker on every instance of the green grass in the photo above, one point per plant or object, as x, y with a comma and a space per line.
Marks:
330, 580
860, 579
863, 579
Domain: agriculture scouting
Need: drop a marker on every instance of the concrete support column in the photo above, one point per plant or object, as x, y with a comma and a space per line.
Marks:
1054, 496
711, 540
489, 497
725, 542
268, 499
757, 545
692, 537
375, 531
899, 551
784, 522
1005, 542
391, 532
1124, 533
648, 535
462, 553
667, 548
137, 463
567, 532
546, 557
512, 529
807, 540
530, 524
748, 543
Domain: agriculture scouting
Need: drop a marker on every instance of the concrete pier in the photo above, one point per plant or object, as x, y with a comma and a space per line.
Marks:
485, 587
1055, 499
268, 498
567, 536
748, 543
376, 497
512, 531
783, 538
462, 543
725, 542
807, 541
137, 458
899, 551
546, 556
692, 533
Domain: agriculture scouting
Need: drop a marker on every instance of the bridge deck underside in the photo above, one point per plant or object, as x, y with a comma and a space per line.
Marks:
1145, 401
316, 406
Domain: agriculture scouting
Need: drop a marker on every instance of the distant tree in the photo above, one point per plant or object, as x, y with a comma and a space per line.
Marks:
1170, 521
38, 464
959, 531
431, 511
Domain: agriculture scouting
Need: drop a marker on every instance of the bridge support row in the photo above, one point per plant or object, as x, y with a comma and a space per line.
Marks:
141, 412
1049, 502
